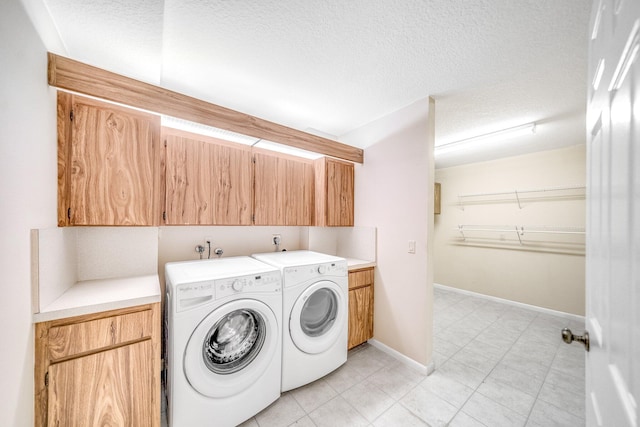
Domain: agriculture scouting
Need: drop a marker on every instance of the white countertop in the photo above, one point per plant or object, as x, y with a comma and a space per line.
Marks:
355, 264
93, 296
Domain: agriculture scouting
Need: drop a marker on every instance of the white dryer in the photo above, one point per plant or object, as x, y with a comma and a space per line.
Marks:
224, 340
315, 314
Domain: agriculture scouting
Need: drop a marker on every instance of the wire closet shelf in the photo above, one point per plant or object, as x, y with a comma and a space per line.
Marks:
577, 191
520, 230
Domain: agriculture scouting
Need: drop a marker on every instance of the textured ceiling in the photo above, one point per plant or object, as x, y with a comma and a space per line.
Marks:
330, 66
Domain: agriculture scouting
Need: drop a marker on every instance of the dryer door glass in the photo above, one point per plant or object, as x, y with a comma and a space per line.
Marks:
233, 341
319, 312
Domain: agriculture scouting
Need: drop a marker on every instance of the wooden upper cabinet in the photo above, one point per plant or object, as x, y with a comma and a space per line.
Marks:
208, 181
283, 189
109, 165
334, 192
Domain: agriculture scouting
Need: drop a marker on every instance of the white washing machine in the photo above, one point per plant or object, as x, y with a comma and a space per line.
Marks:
224, 340
315, 314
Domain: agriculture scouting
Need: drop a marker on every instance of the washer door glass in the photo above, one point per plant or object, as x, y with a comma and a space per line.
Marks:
318, 318
319, 312
233, 341
233, 346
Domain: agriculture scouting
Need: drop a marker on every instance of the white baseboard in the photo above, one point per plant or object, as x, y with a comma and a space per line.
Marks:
562, 314
424, 370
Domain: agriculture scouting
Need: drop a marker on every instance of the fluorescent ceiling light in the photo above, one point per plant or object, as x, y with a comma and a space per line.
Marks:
226, 135
482, 141
286, 149
200, 129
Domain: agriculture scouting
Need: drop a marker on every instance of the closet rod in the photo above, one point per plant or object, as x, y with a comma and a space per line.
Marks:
521, 229
537, 190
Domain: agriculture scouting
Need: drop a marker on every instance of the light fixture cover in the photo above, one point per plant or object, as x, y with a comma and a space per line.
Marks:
500, 135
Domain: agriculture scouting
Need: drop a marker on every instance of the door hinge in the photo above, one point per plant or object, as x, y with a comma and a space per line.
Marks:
69, 214
46, 379
164, 215
71, 115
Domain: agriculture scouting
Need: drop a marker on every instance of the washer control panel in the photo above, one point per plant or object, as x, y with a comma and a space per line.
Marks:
262, 282
190, 295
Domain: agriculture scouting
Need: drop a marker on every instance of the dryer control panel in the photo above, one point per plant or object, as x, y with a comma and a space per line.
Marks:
302, 273
255, 283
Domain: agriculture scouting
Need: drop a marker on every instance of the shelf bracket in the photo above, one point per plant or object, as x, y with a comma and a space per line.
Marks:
519, 232
462, 232
518, 199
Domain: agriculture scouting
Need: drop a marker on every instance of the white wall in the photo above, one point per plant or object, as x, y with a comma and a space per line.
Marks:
394, 193
546, 270
178, 243
28, 179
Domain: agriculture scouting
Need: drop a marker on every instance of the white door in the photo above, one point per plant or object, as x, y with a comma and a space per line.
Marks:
613, 215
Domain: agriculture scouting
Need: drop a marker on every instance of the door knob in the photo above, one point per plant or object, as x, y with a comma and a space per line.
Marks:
568, 337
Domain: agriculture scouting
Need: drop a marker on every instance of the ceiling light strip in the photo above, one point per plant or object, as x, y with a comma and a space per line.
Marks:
525, 129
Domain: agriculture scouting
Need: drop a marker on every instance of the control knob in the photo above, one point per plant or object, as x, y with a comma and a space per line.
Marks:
237, 285
322, 269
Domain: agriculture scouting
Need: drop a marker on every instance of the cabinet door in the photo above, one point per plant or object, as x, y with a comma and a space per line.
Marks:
208, 182
109, 388
334, 192
360, 315
283, 190
339, 193
112, 164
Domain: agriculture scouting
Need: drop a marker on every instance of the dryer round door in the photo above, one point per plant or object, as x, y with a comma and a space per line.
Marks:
318, 317
231, 348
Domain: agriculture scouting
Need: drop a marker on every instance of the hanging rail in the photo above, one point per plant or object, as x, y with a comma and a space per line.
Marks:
519, 230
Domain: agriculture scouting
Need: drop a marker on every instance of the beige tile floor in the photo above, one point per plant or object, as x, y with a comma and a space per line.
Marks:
496, 365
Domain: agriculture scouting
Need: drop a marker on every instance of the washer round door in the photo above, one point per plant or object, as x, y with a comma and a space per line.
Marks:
231, 348
318, 317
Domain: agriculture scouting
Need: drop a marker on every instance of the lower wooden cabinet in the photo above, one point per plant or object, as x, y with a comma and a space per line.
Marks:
99, 369
360, 306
